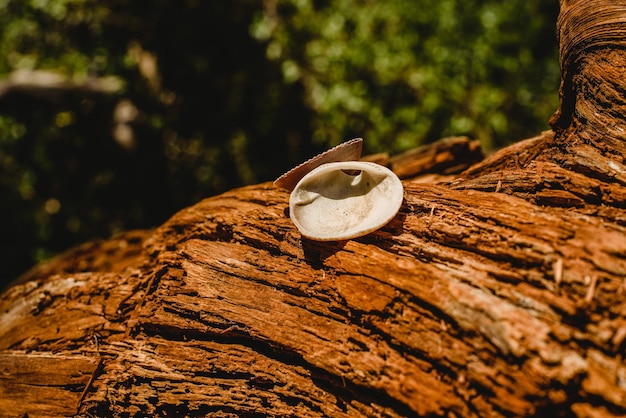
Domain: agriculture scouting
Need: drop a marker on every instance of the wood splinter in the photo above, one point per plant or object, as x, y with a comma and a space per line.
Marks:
591, 290
558, 272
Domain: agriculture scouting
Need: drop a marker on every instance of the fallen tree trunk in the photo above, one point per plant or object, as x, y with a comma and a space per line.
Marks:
495, 292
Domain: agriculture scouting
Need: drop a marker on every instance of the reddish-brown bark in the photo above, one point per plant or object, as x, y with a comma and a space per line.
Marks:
497, 291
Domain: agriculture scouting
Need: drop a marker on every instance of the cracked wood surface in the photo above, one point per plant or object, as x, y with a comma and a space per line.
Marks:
498, 291
43, 384
453, 309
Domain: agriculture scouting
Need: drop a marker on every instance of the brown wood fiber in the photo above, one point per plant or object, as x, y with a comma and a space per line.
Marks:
498, 291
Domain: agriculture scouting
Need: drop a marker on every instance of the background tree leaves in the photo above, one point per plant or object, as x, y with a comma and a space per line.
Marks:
404, 72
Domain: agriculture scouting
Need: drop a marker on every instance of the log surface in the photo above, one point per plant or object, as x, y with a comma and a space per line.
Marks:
497, 291
470, 302
43, 384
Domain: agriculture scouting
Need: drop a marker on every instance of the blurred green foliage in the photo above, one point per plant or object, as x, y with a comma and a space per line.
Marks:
204, 96
401, 72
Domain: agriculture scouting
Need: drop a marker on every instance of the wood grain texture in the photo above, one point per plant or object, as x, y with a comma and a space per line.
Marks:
43, 384
447, 156
497, 291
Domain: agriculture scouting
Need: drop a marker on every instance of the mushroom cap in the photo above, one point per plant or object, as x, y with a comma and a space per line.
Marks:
346, 151
343, 200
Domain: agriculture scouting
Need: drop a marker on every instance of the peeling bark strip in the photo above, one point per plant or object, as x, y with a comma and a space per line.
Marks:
499, 291
446, 156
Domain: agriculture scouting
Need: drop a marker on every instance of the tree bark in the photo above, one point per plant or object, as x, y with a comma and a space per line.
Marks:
497, 291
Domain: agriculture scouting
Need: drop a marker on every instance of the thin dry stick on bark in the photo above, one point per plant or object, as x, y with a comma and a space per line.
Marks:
470, 302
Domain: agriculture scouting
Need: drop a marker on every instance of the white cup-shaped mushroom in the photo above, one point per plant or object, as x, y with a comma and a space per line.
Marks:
343, 200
